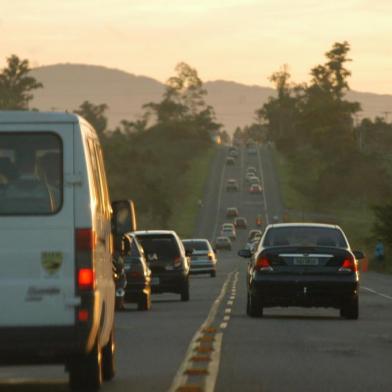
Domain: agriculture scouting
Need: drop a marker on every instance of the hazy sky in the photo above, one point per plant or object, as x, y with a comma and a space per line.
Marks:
240, 40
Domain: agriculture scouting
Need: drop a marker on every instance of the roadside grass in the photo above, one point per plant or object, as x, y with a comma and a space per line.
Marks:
183, 219
355, 219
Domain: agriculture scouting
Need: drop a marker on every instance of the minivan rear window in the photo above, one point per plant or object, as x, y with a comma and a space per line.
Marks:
31, 173
159, 247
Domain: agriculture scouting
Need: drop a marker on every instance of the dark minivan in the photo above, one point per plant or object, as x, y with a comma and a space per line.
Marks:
167, 260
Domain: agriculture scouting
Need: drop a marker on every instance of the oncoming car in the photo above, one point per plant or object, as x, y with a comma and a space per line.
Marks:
303, 264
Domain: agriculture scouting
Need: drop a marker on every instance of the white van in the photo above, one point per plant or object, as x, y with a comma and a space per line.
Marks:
56, 273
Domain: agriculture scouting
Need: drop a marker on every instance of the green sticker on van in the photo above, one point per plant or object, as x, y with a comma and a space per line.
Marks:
51, 261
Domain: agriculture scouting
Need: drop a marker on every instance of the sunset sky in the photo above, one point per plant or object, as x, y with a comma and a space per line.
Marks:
239, 40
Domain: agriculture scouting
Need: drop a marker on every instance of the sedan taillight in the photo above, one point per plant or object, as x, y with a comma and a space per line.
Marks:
349, 265
263, 264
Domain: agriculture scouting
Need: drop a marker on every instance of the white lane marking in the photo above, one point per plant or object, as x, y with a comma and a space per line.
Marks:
232, 297
228, 310
218, 207
223, 325
376, 292
230, 302
263, 185
226, 318
180, 378
214, 364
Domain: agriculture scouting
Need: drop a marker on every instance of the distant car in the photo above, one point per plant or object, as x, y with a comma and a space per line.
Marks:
138, 274
232, 212
251, 169
275, 219
203, 258
230, 161
255, 188
168, 261
233, 153
232, 185
228, 230
252, 150
240, 223
223, 242
254, 233
254, 180
303, 264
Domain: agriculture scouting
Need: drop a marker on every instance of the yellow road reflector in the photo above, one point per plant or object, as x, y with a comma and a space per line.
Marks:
206, 339
204, 349
190, 388
196, 371
209, 330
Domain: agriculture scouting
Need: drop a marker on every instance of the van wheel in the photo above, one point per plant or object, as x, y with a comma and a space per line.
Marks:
144, 303
185, 292
85, 372
213, 274
108, 359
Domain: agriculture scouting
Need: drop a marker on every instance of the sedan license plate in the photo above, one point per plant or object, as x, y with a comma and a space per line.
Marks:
306, 261
155, 281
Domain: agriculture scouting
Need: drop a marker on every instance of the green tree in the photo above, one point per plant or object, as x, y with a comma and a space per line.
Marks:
95, 115
382, 227
16, 86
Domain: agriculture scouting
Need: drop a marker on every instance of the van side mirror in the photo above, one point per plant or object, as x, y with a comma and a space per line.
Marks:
123, 220
358, 254
245, 253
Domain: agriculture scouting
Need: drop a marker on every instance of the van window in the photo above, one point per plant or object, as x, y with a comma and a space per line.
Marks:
31, 173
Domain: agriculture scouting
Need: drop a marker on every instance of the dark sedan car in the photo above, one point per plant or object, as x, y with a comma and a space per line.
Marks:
303, 264
168, 261
138, 288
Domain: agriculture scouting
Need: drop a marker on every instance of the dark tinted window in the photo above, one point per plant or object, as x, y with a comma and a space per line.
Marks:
304, 236
159, 246
31, 173
196, 245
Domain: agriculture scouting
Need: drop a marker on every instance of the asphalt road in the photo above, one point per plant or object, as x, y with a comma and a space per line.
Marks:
210, 344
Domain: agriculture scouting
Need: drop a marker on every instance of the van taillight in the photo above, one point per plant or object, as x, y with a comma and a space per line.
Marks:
349, 265
86, 279
85, 239
263, 263
177, 261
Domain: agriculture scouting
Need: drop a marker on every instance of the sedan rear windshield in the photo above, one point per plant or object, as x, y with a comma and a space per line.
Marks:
31, 167
196, 245
305, 236
162, 247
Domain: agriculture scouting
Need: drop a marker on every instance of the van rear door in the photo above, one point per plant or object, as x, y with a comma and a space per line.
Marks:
37, 279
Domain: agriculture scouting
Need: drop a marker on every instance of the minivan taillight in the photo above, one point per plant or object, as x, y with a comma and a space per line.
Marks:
86, 279
263, 263
177, 262
349, 265
85, 239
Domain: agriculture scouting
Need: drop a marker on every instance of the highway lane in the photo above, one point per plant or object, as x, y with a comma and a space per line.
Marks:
295, 349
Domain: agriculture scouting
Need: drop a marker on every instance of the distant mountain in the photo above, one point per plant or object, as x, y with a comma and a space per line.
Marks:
66, 86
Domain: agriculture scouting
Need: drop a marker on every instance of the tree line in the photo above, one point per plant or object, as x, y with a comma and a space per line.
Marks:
147, 159
334, 163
